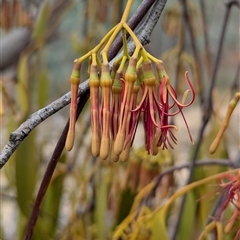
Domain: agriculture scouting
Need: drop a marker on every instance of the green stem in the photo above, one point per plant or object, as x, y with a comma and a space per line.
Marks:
109, 43
96, 49
126, 11
125, 48
124, 59
132, 34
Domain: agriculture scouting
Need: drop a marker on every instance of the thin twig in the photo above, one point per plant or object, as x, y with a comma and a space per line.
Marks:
235, 85
180, 45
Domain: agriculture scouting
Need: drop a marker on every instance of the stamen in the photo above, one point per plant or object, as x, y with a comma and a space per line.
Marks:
130, 78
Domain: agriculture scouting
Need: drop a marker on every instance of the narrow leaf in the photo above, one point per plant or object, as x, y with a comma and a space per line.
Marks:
158, 227
22, 84
188, 218
26, 173
40, 28
43, 82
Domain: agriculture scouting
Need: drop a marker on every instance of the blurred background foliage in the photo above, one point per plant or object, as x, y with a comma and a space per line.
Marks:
89, 198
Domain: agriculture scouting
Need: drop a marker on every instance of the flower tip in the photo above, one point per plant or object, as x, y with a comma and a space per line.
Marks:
69, 141
155, 150
125, 153
114, 156
119, 142
104, 148
95, 145
212, 150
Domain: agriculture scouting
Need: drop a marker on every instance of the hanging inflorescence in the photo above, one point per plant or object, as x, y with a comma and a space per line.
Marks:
136, 87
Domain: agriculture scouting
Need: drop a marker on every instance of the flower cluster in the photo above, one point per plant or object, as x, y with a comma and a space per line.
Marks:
154, 92
136, 86
230, 190
115, 116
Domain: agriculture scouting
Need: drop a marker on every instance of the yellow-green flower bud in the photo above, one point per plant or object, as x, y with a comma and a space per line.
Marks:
131, 73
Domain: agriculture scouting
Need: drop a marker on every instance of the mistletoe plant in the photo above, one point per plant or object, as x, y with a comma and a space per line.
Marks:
114, 119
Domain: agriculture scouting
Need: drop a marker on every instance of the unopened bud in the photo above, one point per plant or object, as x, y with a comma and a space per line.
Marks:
131, 73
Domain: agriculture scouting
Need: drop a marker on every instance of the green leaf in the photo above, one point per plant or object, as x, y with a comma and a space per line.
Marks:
101, 204
187, 224
158, 227
126, 202
22, 222
40, 28
22, 84
43, 82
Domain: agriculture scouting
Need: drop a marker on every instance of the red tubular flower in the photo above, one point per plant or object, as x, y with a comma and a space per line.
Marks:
149, 105
117, 89
130, 78
132, 120
121, 118
167, 91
